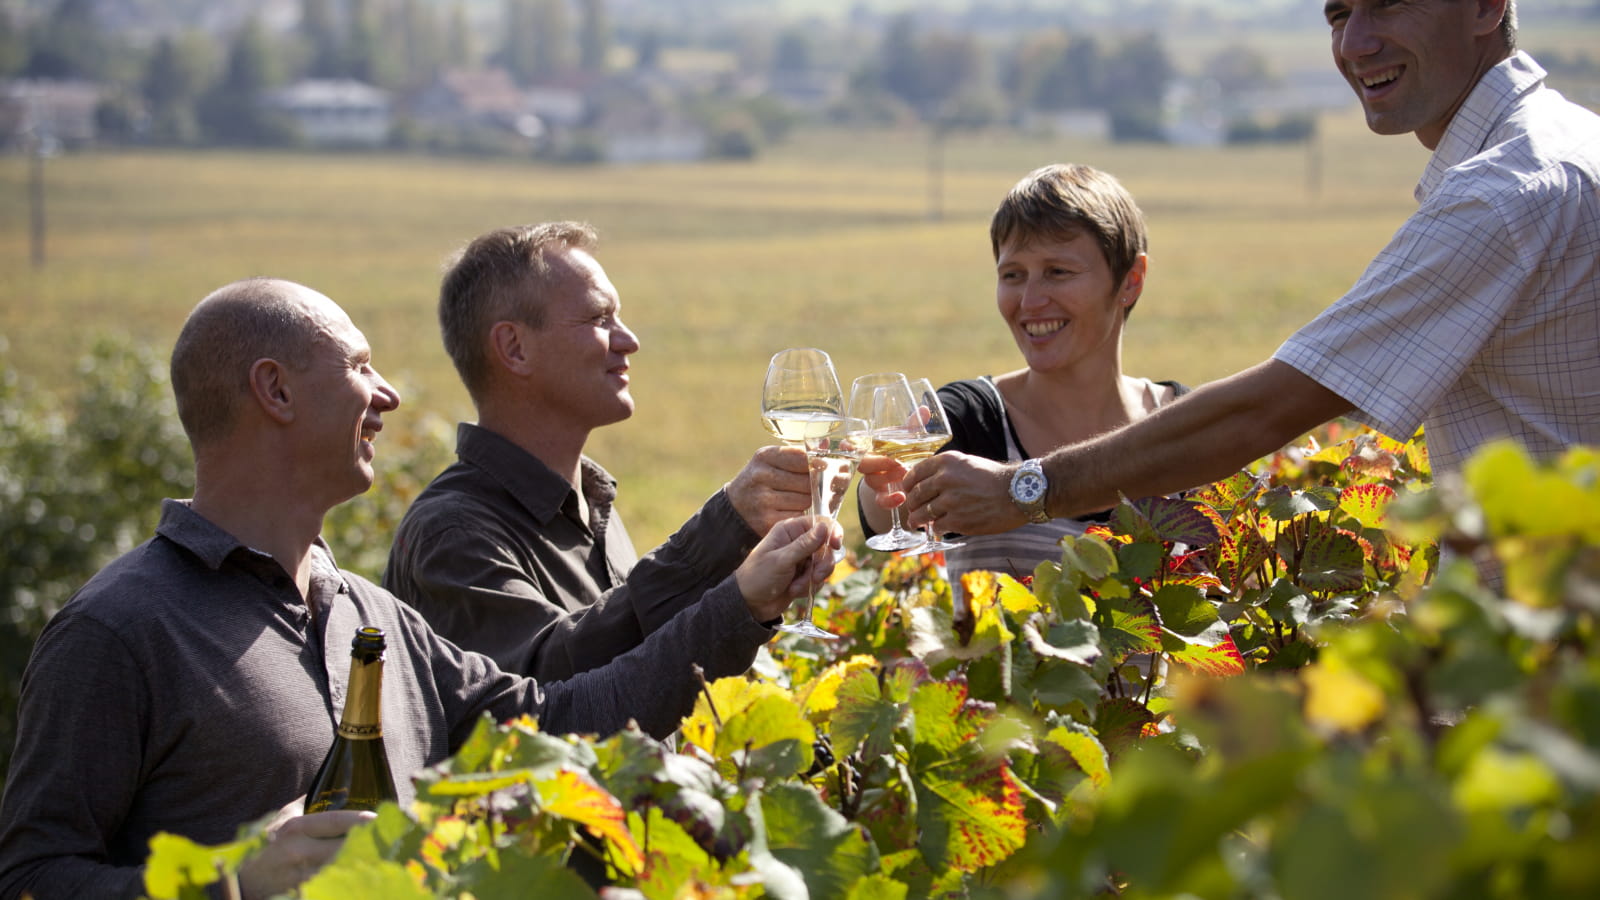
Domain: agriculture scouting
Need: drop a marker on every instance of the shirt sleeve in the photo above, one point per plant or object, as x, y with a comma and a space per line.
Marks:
76, 768
1419, 316
652, 685
476, 592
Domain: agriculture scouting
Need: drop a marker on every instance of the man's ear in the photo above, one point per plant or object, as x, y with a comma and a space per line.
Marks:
269, 385
1490, 14
508, 345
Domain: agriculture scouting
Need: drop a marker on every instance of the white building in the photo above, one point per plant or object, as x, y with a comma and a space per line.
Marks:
336, 112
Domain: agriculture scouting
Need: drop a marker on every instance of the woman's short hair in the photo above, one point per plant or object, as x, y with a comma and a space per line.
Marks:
1064, 200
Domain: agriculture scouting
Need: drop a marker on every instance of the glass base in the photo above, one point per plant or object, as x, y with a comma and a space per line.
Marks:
809, 630
896, 540
934, 547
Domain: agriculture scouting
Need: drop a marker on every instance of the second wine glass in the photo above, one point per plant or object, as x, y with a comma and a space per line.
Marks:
930, 413
884, 399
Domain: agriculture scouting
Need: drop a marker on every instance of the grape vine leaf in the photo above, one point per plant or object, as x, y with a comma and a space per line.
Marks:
1128, 626
1333, 561
763, 730
1167, 519
969, 807
575, 796
867, 715
802, 831
1366, 503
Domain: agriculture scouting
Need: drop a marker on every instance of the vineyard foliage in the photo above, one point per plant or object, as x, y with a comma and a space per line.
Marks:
1297, 682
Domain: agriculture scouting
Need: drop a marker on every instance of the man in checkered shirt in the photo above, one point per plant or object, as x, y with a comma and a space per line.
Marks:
1480, 319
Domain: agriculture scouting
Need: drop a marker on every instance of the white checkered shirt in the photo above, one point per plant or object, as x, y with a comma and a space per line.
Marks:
1481, 318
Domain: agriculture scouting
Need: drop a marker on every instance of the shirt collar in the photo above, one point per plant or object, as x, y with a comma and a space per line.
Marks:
1468, 133
535, 485
212, 545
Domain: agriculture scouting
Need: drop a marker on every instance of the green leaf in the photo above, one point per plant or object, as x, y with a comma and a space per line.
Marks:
1239, 553
1332, 561
1184, 609
1168, 519
1077, 641
877, 887
971, 816
385, 880
1119, 721
773, 736
1283, 503
1085, 750
1086, 559
1142, 559
1366, 503
802, 831
180, 868
1128, 626
940, 718
865, 719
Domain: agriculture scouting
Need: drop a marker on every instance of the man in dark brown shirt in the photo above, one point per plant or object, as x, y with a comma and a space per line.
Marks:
194, 683
516, 549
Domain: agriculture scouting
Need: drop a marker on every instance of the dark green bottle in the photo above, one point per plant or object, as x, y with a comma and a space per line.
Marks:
355, 774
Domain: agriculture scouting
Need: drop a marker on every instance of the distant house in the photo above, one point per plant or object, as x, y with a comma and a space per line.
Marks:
337, 112
48, 109
471, 98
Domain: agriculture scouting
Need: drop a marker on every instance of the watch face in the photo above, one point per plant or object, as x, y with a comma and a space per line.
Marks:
1028, 488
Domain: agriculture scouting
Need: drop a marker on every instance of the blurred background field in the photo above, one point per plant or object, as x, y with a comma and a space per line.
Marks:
835, 239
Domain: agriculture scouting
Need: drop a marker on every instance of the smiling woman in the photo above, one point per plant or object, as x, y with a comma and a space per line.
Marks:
1070, 252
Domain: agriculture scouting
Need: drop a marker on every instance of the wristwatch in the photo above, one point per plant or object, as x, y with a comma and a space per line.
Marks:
1029, 488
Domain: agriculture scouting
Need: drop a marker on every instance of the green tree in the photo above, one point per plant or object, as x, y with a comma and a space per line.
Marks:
69, 43
594, 35
459, 50
175, 77
324, 40
80, 483
552, 39
13, 45
231, 112
1137, 75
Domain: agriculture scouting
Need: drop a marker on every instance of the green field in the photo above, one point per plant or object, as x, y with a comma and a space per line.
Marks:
825, 241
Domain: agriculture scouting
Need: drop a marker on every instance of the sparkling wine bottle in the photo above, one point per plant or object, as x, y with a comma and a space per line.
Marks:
355, 774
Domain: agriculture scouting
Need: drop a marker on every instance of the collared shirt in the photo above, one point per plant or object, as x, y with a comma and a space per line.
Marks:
1481, 318
497, 557
189, 688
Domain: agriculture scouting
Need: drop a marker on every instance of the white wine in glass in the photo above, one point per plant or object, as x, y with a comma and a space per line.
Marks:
833, 456
800, 397
884, 399
934, 426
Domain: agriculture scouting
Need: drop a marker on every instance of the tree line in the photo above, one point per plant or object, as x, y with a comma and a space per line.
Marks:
192, 87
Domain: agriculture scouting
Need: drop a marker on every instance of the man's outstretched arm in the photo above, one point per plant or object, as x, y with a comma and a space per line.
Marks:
1200, 438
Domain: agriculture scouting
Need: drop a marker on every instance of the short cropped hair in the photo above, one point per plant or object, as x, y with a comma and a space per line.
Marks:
499, 276
235, 325
1065, 200
1508, 25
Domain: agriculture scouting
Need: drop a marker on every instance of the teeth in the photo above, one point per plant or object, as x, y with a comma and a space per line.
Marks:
1040, 329
1380, 79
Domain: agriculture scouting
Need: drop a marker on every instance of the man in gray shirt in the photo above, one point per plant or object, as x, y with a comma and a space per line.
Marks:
194, 684
516, 550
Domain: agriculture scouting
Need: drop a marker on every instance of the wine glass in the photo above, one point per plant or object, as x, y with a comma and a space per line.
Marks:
833, 456
884, 399
800, 397
930, 415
